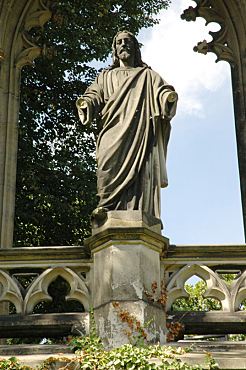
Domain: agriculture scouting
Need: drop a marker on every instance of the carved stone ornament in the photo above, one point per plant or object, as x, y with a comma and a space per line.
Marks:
2, 56
230, 296
211, 12
37, 291
36, 18
29, 53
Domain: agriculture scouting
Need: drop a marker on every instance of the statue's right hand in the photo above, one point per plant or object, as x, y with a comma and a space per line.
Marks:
84, 111
82, 115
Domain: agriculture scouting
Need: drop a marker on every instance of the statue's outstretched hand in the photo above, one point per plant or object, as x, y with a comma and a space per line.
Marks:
169, 104
84, 111
172, 97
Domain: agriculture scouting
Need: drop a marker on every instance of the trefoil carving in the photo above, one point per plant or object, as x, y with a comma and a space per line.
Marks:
211, 12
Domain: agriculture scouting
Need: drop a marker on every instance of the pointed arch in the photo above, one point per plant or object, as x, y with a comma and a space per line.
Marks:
38, 290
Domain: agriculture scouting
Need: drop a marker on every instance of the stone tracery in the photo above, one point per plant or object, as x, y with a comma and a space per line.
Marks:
219, 45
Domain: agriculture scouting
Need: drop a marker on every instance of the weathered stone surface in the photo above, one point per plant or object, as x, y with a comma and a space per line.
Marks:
133, 107
126, 219
211, 322
53, 325
123, 272
34, 349
228, 253
16, 50
111, 328
101, 239
126, 264
33, 256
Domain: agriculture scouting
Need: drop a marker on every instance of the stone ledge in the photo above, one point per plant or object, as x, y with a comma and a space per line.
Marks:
47, 325
131, 234
210, 322
212, 346
44, 253
33, 349
218, 252
226, 361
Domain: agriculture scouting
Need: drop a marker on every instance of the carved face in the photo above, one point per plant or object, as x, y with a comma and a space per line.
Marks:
125, 48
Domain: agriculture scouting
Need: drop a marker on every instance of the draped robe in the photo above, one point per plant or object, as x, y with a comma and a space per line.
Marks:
133, 116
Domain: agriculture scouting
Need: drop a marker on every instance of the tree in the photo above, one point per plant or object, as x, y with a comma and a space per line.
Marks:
56, 170
196, 302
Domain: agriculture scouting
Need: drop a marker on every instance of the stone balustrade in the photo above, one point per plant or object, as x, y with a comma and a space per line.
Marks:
43, 265
209, 263
75, 265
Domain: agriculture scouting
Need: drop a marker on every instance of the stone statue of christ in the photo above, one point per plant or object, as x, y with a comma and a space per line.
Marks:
133, 106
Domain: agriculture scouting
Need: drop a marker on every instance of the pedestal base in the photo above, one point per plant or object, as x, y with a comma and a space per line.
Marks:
126, 219
112, 330
126, 264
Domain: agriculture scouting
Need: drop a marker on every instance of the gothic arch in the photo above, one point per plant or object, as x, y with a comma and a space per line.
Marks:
17, 49
230, 296
38, 290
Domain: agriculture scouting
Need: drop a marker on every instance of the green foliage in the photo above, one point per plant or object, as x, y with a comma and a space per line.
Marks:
92, 322
139, 339
196, 302
129, 357
56, 174
90, 343
125, 357
13, 363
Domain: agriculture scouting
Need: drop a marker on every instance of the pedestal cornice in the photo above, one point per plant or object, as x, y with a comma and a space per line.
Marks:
131, 235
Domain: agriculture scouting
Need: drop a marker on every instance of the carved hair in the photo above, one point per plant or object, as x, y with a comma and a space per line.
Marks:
137, 57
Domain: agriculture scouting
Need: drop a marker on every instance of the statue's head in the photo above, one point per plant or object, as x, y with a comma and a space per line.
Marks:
131, 49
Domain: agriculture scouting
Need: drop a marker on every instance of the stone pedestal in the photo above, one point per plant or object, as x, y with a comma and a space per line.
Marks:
126, 263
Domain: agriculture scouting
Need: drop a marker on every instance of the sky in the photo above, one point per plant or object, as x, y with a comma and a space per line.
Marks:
202, 204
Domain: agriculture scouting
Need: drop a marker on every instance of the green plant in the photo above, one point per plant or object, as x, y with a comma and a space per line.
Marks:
125, 357
47, 363
12, 364
134, 326
138, 340
89, 343
173, 328
196, 302
130, 357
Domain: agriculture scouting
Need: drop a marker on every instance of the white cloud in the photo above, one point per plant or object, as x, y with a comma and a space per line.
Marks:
168, 49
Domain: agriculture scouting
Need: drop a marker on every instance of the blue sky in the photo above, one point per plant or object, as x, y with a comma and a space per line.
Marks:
202, 203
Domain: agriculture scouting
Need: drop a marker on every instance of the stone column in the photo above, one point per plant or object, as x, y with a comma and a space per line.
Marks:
17, 48
126, 253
